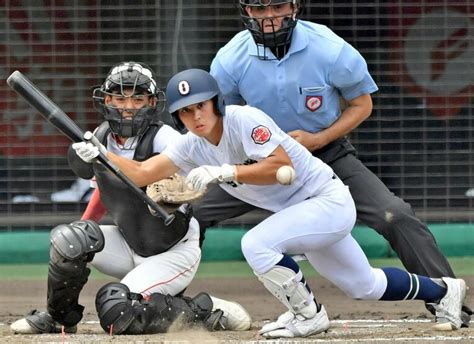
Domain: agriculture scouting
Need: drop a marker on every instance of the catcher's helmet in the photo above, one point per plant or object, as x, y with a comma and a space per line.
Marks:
140, 79
190, 87
280, 38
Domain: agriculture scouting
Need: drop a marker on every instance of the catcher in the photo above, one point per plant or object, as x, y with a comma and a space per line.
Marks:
153, 263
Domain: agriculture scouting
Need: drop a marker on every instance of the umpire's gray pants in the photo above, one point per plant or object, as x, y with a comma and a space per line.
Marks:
376, 205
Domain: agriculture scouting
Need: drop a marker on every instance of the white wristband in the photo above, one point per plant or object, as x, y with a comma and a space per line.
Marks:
228, 173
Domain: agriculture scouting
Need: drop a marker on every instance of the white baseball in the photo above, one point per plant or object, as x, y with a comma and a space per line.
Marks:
286, 175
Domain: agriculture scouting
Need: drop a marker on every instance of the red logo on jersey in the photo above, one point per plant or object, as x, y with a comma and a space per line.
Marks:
261, 135
314, 102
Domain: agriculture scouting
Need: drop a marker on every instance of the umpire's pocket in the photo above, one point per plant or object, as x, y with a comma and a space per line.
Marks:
311, 99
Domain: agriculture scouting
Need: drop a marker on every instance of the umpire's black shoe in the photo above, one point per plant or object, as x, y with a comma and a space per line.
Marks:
37, 322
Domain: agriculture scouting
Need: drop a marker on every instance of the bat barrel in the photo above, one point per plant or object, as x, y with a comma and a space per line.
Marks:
37, 99
45, 106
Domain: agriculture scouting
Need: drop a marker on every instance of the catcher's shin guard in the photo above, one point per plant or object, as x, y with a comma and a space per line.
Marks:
287, 287
123, 312
72, 246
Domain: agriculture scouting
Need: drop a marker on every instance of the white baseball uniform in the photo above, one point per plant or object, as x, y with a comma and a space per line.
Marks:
313, 216
169, 272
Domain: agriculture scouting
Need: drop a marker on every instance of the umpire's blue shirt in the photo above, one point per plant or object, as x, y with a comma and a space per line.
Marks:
300, 91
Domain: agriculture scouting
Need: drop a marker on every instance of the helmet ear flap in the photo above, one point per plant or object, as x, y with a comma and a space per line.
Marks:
219, 105
177, 122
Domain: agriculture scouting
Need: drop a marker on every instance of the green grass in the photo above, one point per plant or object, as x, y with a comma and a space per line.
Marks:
462, 266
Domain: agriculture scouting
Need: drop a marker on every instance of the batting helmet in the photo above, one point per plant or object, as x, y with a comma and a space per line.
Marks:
277, 38
137, 79
190, 87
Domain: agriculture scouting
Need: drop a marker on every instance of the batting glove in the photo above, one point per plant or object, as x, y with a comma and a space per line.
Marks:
201, 176
88, 151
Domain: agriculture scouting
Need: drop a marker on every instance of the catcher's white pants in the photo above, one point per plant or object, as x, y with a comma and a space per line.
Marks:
167, 273
320, 229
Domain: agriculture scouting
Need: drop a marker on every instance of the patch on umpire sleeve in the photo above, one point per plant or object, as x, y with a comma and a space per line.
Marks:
261, 134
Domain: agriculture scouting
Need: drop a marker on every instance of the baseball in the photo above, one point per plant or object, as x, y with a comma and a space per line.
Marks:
286, 175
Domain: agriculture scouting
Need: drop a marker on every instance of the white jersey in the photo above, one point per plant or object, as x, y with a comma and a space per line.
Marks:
250, 136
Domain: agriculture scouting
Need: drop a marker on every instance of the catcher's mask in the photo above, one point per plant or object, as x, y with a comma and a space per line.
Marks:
278, 40
130, 80
189, 87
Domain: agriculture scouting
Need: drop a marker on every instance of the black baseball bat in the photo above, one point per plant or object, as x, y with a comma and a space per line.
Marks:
58, 118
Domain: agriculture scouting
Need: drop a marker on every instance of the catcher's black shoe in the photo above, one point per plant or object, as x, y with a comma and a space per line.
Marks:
37, 322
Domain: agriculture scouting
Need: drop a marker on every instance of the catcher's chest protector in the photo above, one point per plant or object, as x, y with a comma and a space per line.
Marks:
146, 234
144, 149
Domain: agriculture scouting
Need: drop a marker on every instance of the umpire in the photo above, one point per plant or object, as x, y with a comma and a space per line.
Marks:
296, 71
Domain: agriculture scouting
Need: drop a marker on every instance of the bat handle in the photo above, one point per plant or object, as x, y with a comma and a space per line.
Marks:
168, 219
88, 136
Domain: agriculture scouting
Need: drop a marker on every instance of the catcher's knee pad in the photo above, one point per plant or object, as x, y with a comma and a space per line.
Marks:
114, 307
72, 246
123, 312
79, 240
287, 287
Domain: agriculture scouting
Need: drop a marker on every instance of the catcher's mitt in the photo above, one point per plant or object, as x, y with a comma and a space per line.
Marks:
172, 192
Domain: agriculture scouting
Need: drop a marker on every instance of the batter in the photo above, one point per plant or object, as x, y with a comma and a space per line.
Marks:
241, 148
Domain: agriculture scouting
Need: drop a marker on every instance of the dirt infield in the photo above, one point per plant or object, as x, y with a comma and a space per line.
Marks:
352, 321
